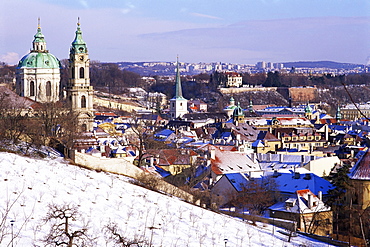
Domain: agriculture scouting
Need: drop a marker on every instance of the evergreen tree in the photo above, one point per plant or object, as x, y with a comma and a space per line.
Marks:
342, 183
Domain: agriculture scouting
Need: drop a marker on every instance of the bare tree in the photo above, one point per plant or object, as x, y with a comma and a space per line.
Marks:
256, 195
113, 233
62, 231
4, 217
12, 119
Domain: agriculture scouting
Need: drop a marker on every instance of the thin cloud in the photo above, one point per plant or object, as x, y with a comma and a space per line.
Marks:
84, 4
10, 57
206, 16
128, 9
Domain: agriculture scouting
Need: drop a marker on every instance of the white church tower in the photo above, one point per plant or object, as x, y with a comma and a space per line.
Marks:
178, 104
38, 72
79, 92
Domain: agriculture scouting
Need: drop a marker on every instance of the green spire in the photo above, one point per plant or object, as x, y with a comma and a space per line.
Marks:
39, 37
178, 82
78, 44
307, 109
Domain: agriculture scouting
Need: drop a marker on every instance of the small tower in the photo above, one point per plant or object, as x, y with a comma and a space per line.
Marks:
79, 91
251, 106
308, 112
338, 115
38, 72
178, 104
238, 114
230, 108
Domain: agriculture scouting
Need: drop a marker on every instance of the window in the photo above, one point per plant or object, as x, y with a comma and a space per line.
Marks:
73, 73
84, 127
82, 72
32, 88
83, 102
48, 88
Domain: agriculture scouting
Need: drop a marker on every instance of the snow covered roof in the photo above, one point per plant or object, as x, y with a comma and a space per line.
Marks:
302, 202
289, 181
361, 170
237, 180
231, 162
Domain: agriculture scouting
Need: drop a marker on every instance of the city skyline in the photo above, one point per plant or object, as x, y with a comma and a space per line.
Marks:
198, 31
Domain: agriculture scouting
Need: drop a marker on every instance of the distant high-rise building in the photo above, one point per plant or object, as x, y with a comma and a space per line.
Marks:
38, 72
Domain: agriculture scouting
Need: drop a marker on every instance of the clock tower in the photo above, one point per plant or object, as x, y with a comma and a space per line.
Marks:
79, 91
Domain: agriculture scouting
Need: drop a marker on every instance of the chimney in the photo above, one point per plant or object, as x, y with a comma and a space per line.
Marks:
213, 153
319, 195
309, 200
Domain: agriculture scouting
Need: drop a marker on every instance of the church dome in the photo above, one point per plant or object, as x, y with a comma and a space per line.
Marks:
238, 111
39, 57
39, 60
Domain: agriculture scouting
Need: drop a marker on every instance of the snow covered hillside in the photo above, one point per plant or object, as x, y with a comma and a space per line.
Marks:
28, 186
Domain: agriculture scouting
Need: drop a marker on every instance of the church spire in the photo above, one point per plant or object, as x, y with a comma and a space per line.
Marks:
178, 94
338, 115
250, 105
78, 44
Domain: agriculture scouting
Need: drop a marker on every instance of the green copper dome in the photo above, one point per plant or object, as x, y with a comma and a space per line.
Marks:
39, 57
238, 111
39, 60
308, 109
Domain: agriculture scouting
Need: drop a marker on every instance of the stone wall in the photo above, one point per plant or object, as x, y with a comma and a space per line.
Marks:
235, 90
303, 94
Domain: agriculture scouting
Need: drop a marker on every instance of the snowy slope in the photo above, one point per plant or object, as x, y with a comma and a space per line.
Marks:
102, 198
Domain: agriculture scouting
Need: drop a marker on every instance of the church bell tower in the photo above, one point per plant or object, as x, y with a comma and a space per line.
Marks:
79, 91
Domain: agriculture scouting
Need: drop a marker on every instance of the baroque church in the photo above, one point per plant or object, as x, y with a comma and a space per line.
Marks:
38, 72
38, 77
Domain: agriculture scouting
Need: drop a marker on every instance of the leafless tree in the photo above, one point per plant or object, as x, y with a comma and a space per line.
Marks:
256, 195
12, 119
113, 233
4, 217
63, 232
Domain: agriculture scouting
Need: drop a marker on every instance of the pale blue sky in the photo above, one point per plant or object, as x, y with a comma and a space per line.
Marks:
235, 31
